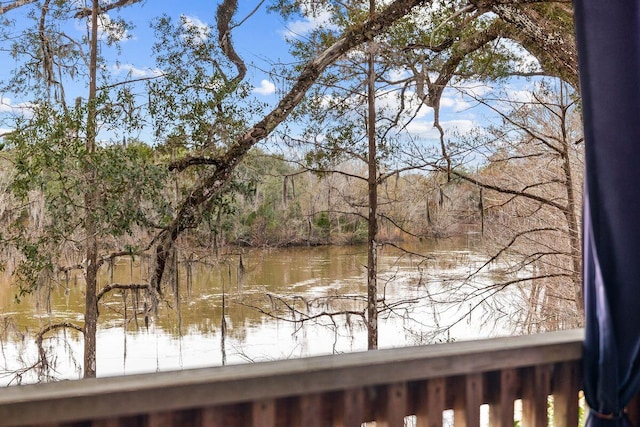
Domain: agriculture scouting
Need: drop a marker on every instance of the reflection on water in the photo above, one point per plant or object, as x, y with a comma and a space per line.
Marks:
282, 303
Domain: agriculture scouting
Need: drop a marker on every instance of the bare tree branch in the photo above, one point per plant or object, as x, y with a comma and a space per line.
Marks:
188, 213
128, 286
14, 5
255, 9
118, 4
141, 79
43, 362
225, 12
184, 163
479, 183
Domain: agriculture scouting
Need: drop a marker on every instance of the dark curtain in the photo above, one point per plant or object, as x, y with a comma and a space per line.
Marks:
608, 33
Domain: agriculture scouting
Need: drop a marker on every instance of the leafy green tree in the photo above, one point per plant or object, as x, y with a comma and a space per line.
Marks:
87, 187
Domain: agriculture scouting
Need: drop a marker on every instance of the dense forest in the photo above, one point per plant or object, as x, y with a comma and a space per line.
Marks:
98, 165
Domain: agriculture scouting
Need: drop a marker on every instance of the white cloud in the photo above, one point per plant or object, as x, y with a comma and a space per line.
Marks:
266, 88
133, 71
455, 104
398, 74
463, 96
525, 62
108, 29
114, 31
461, 126
198, 30
326, 101
310, 22
390, 101
387, 100
420, 128
474, 89
519, 95
426, 130
23, 108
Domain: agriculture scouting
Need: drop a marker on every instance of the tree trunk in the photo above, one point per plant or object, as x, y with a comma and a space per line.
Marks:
546, 31
571, 214
91, 277
372, 250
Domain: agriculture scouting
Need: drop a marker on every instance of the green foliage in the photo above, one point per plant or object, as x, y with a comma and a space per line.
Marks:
45, 58
36, 263
323, 223
197, 100
50, 179
199, 108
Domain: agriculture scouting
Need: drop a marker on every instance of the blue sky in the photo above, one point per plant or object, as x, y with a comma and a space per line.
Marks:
260, 41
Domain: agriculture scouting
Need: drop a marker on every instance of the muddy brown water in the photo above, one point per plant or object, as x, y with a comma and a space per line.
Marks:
266, 294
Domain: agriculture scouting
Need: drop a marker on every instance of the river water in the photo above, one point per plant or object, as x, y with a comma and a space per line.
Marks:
277, 304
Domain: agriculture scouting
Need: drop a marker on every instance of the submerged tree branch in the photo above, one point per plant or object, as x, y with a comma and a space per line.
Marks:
113, 286
43, 362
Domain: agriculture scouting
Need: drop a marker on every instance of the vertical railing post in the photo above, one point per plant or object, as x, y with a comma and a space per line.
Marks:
467, 401
392, 408
502, 399
161, 419
263, 413
350, 411
431, 403
213, 417
565, 394
111, 422
536, 388
311, 411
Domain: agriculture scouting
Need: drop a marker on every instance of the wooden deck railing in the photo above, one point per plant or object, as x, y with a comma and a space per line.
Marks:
385, 386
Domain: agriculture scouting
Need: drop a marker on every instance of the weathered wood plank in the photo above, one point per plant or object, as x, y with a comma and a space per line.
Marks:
213, 416
150, 393
456, 390
392, 406
502, 399
469, 396
263, 413
288, 411
349, 408
475, 398
566, 385
137, 421
225, 416
111, 422
161, 419
311, 410
431, 403
536, 389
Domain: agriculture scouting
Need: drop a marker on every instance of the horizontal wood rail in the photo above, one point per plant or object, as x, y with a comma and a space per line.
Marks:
384, 386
